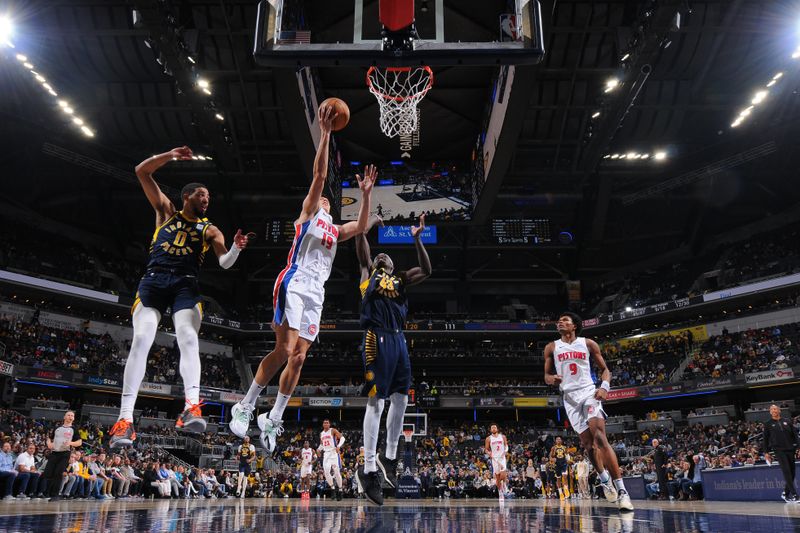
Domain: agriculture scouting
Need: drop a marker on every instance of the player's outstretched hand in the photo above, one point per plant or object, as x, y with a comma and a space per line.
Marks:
416, 230
182, 153
327, 115
600, 394
368, 181
241, 240
552, 379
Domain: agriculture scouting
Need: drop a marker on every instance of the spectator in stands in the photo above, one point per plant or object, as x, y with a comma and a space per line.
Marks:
27, 475
8, 473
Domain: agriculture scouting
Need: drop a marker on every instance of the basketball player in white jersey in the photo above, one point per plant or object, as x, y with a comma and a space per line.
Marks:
306, 467
330, 442
567, 364
497, 448
299, 291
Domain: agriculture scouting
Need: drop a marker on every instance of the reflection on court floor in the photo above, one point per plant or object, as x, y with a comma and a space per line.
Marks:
454, 516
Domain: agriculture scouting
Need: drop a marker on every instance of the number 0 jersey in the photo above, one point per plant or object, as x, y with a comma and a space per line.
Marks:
572, 364
179, 244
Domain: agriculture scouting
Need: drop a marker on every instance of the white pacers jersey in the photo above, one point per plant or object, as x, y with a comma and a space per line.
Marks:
328, 443
314, 246
498, 446
572, 364
306, 456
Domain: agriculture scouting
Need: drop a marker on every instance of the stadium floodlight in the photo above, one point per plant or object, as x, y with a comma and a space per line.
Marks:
777, 76
623, 156
606, 156
611, 84
632, 155
771, 83
596, 114
660, 156
219, 116
735, 123
6, 31
759, 97
21, 58
39, 78
645, 156
68, 110
191, 59
77, 121
86, 131
614, 156
203, 84
206, 90
625, 57
628, 309
746, 111
28, 66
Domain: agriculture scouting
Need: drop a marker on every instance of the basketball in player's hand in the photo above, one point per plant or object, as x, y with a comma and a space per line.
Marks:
340, 109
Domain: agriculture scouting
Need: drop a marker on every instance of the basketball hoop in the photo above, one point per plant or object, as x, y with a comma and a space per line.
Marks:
408, 434
398, 91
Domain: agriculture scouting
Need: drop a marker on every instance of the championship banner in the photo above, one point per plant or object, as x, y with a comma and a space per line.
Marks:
6, 369
622, 394
530, 402
766, 376
156, 388
325, 402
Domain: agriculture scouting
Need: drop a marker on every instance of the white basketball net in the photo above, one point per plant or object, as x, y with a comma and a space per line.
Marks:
399, 91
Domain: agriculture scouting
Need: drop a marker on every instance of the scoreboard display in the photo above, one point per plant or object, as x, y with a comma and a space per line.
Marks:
522, 231
279, 231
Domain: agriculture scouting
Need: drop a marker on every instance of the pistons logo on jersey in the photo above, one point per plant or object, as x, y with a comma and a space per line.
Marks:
312, 329
181, 236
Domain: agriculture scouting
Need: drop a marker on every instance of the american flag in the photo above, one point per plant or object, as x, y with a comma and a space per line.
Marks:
295, 37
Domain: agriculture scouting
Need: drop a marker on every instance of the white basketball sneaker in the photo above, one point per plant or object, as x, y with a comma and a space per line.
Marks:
609, 491
624, 501
270, 431
241, 415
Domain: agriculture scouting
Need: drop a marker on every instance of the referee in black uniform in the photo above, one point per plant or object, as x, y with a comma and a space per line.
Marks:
60, 448
781, 439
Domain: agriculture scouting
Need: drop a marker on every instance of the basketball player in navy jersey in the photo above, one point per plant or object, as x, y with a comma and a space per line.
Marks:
384, 306
177, 250
566, 364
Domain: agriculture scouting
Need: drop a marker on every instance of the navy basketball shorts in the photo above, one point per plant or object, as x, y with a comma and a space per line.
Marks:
162, 289
387, 368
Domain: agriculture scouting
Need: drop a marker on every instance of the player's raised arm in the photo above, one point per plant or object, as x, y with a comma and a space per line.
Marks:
550, 376
226, 257
144, 172
358, 227
600, 364
423, 271
325, 115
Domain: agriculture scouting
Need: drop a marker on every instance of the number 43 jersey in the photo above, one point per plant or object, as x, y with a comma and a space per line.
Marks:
179, 244
573, 364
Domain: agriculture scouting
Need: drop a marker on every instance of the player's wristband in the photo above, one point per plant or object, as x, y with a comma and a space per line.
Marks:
606, 386
226, 261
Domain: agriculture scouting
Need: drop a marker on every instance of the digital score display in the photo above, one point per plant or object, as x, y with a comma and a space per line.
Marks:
279, 231
522, 231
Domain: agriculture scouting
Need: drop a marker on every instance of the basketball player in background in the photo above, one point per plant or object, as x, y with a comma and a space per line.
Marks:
306, 467
299, 291
559, 452
567, 364
387, 368
496, 447
330, 442
177, 251
246, 455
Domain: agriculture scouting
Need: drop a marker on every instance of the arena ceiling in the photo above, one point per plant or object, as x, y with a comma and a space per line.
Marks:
703, 71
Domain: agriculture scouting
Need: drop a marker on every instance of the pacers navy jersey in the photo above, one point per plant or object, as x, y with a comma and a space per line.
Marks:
383, 301
179, 244
560, 452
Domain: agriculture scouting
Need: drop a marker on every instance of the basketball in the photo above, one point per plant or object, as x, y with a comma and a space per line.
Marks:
341, 108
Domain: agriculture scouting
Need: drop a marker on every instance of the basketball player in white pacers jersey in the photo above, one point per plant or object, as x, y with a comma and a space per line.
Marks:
299, 291
330, 441
497, 448
306, 467
567, 364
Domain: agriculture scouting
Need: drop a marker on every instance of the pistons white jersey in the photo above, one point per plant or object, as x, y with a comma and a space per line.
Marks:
572, 364
327, 442
497, 446
314, 247
306, 456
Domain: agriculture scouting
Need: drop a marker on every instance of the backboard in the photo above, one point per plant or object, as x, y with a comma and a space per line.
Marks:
447, 32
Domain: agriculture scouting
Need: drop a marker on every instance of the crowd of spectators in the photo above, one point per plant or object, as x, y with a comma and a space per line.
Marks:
33, 344
753, 350
649, 360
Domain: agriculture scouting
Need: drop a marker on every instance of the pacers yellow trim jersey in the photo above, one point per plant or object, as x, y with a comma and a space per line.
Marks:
179, 244
383, 301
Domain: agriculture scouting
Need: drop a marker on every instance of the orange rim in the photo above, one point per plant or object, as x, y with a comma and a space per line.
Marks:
399, 69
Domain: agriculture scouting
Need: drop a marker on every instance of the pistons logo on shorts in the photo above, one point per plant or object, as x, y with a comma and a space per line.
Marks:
591, 409
312, 329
